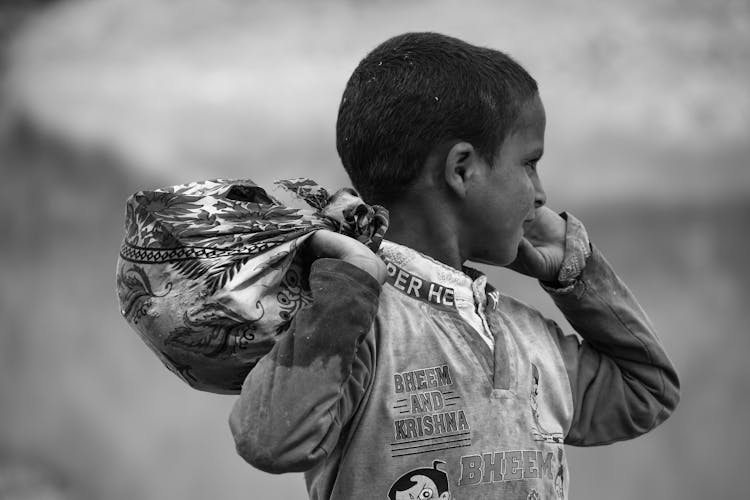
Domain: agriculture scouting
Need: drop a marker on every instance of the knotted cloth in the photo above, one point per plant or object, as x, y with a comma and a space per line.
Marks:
209, 273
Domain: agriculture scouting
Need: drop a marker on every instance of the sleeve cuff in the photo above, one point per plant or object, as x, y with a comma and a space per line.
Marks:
577, 251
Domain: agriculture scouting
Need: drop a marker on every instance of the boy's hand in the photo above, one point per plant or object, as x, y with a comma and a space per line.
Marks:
541, 251
332, 245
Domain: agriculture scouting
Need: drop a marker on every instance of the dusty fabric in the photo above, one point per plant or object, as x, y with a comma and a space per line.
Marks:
209, 273
376, 389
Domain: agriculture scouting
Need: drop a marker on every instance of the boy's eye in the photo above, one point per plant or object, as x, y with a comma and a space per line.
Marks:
425, 493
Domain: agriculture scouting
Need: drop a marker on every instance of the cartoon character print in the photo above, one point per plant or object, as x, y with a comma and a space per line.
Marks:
539, 433
421, 484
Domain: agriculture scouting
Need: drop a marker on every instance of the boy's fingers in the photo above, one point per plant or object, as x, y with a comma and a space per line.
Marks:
547, 228
337, 246
323, 243
525, 258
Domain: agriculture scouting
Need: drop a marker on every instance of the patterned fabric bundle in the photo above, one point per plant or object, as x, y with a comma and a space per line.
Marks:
209, 273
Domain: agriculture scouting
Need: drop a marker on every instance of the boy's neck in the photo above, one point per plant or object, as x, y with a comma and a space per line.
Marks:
423, 227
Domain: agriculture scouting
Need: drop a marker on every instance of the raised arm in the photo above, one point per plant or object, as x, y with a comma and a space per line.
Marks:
298, 397
622, 381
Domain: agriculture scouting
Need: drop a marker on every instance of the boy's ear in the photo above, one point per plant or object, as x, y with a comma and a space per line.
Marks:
461, 165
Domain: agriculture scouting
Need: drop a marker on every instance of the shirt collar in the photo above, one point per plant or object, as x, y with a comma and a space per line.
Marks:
466, 285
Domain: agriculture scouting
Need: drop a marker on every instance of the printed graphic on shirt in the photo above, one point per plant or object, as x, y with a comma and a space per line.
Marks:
533, 495
508, 465
428, 413
423, 483
538, 432
419, 288
560, 477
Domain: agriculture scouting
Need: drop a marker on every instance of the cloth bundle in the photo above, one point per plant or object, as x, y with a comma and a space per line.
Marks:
209, 273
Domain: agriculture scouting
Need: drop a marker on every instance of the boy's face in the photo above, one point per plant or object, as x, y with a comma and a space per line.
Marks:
503, 196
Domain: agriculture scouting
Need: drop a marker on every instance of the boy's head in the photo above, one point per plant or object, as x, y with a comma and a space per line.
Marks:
416, 92
422, 483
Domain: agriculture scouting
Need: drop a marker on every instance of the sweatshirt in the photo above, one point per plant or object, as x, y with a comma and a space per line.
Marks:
435, 385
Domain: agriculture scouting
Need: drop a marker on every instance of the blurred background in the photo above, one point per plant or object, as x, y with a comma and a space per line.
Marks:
647, 142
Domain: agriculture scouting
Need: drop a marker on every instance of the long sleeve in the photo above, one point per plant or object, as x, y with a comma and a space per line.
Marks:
298, 397
622, 380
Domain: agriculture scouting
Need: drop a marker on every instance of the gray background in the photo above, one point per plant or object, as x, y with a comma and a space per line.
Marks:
647, 142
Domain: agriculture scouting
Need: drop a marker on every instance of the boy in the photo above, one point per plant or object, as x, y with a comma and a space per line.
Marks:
408, 358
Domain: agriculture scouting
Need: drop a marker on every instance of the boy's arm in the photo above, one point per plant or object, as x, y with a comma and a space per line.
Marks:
622, 381
298, 397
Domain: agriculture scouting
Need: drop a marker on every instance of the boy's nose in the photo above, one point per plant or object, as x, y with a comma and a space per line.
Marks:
540, 197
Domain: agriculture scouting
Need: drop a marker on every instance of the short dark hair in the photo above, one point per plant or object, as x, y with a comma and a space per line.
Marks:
439, 477
417, 90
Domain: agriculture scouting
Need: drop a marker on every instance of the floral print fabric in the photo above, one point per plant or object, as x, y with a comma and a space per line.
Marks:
209, 272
